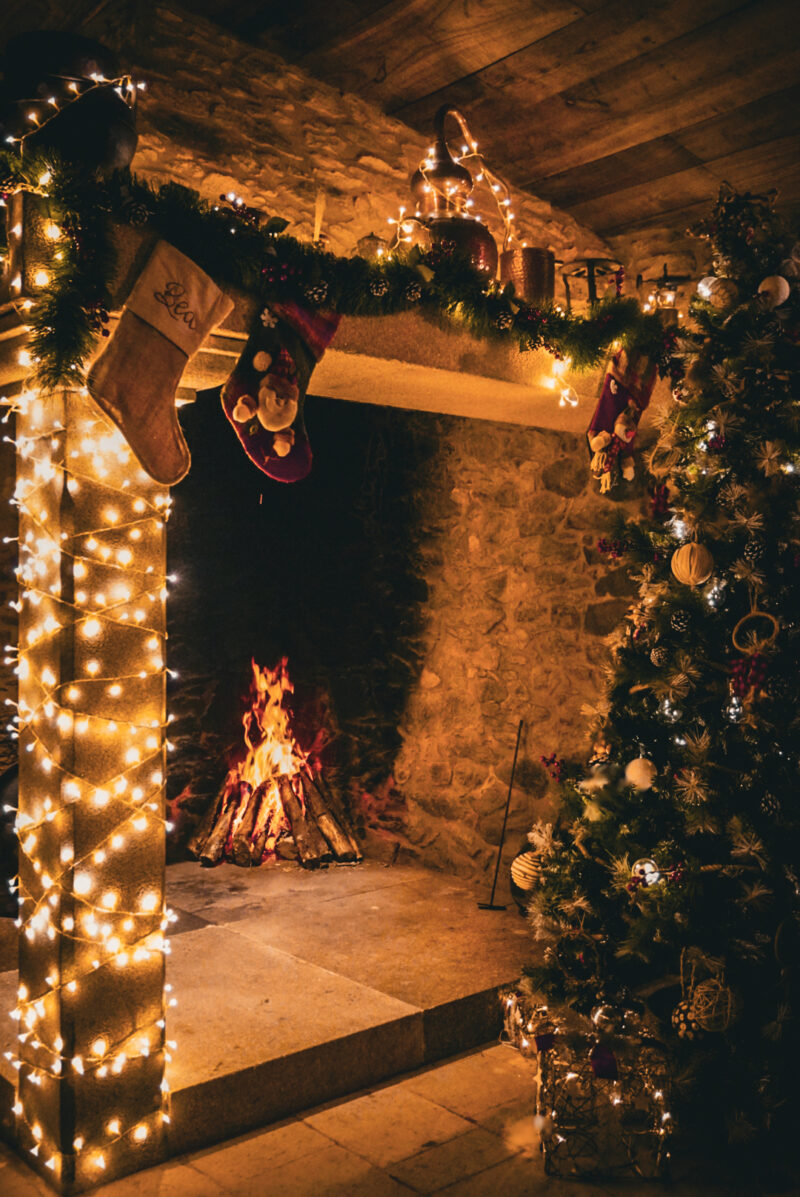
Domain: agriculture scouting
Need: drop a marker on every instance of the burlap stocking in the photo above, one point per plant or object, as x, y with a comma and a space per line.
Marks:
169, 313
264, 396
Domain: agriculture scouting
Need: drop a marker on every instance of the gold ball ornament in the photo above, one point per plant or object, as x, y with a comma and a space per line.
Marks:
692, 564
773, 291
724, 294
640, 773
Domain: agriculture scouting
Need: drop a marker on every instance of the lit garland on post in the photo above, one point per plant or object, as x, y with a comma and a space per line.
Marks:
91, 1093
92, 1100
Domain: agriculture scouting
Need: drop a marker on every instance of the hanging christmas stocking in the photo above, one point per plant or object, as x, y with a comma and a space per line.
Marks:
627, 388
169, 313
264, 396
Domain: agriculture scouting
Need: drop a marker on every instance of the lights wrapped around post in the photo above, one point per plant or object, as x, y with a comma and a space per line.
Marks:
91, 1091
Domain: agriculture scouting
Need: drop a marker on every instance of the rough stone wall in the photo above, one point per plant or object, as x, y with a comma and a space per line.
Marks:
519, 603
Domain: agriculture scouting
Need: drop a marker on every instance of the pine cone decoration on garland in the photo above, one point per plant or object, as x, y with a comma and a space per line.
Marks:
679, 620
379, 287
503, 321
413, 292
134, 212
770, 806
316, 292
659, 656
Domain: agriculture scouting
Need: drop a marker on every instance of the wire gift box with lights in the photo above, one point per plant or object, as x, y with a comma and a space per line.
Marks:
602, 1104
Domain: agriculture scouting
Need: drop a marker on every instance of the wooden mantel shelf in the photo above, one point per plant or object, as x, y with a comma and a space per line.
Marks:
399, 361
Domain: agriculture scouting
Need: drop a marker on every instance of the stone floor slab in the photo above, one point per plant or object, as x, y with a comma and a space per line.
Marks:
423, 941
477, 1083
389, 1125
451, 1161
241, 1002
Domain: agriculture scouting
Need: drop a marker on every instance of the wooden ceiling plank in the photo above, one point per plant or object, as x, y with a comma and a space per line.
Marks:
568, 57
696, 77
761, 180
747, 169
300, 27
752, 124
409, 44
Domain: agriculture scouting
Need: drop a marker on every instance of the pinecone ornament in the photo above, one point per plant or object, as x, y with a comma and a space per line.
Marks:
659, 656
770, 806
134, 212
413, 292
379, 287
503, 321
316, 292
685, 1024
754, 550
679, 620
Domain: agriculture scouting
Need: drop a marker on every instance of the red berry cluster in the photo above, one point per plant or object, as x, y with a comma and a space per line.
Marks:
98, 318
614, 548
716, 443
553, 766
278, 272
749, 674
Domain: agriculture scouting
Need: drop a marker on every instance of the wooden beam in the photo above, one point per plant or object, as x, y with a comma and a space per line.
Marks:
751, 124
695, 77
751, 169
568, 57
679, 219
392, 56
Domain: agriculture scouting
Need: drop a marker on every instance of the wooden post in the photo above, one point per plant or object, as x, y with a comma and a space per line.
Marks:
90, 1104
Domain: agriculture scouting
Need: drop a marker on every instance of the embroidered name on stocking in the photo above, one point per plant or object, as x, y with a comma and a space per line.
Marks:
173, 297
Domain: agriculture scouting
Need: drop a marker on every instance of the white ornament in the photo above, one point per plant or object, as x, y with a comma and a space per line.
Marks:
640, 773
774, 290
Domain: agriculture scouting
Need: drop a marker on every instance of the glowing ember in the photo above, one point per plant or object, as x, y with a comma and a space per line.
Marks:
272, 753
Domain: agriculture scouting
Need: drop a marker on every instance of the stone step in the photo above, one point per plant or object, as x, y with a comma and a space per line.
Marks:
296, 988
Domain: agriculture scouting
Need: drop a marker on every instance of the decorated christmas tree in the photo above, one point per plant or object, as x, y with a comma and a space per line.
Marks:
668, 888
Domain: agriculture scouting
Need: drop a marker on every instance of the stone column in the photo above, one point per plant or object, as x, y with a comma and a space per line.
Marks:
91, 1099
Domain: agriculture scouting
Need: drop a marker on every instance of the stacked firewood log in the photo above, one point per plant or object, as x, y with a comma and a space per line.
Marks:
311, 824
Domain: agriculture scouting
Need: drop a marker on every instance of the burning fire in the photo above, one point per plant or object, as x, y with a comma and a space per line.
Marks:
272, 753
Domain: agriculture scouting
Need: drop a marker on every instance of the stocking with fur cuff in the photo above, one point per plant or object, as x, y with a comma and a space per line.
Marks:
171, 310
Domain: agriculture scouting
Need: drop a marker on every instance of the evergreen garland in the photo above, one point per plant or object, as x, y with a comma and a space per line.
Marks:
713, 913
269, 264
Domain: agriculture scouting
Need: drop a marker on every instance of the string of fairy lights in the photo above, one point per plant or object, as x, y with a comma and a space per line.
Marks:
92, 728
40, 111
470, 154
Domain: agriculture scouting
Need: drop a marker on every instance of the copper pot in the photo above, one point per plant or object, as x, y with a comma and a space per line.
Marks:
469, 237
532, 271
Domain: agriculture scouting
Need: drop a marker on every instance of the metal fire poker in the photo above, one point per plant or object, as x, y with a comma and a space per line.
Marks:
491, 905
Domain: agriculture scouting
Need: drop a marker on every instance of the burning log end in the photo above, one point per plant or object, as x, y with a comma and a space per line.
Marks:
311, 844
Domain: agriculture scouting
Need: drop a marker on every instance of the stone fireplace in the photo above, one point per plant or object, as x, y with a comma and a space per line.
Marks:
435, 580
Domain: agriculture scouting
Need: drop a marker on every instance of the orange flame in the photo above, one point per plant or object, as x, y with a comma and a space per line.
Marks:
272, 753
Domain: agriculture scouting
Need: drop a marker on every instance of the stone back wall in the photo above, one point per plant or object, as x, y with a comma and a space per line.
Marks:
518, 606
